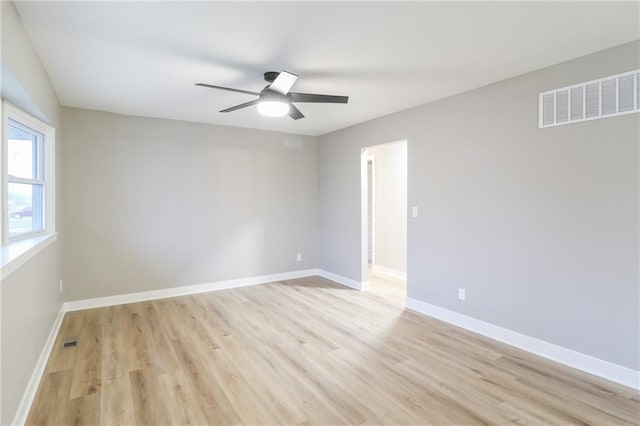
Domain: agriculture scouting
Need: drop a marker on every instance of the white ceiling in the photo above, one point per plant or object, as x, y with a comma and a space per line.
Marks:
143, 58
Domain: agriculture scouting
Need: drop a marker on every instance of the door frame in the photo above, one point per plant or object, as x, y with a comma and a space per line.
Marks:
364, 209
372, 159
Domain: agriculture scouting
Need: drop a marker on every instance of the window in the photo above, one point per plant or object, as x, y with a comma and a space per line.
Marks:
27, 179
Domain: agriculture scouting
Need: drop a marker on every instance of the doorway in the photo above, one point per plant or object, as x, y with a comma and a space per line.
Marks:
384, 220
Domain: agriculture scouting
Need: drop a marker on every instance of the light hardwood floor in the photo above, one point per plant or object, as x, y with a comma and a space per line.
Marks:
386, 289
305, 351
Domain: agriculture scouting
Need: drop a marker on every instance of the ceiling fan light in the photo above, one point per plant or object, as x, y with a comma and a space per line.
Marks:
273, 108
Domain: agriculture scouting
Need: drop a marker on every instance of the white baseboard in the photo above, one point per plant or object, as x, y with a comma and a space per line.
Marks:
394, 273
32, 387
120, 299
143, 296
348, 282
598, 367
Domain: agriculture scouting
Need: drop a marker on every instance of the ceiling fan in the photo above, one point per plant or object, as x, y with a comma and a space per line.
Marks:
275, 100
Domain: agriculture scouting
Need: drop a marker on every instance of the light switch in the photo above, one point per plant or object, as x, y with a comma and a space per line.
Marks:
462, 294
414, 211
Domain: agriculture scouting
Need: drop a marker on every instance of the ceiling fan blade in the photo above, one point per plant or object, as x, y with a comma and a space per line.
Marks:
310, 97
227, 88
244, 105
283, 82
295, 113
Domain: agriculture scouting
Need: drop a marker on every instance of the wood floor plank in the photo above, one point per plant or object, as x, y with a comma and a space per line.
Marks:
65, 358
273, 391
116, 401
196, 363
305, 351
149, 404
84, 410
181, 402
87, 371
51, 399
115, 361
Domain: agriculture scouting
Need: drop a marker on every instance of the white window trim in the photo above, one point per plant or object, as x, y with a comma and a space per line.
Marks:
15, 252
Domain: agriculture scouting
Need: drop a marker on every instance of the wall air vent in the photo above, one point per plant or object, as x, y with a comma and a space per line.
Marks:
606, 97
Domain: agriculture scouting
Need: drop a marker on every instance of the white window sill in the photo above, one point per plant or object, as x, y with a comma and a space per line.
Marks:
17, 253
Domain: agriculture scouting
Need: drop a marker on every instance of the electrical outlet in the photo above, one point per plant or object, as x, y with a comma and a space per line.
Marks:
60, 286
462, 294
299, 257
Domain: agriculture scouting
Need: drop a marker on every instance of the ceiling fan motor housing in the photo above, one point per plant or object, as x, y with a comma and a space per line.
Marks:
270, 76
270, 95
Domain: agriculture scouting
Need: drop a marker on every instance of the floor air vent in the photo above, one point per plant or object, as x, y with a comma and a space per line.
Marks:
70, 343
606, 97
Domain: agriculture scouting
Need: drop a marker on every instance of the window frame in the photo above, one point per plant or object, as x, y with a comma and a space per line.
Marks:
47, 179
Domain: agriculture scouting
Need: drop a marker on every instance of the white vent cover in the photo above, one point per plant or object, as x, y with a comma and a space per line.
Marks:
605, 97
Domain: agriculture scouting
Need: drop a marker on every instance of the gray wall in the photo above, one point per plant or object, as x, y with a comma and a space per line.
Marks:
30, 303
539, 225
390, 205
152, 204
30, 299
